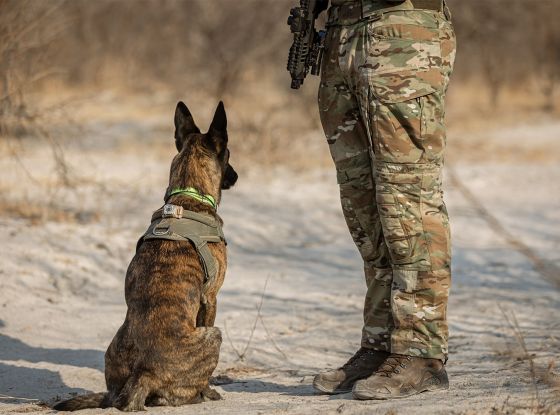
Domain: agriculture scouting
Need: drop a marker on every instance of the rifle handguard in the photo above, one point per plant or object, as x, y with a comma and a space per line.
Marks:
307, 48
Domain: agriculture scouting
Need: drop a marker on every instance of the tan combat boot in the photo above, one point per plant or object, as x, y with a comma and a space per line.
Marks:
401, 376
360, 366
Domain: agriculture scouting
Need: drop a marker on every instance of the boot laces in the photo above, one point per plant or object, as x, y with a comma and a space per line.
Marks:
358, 356
393, 364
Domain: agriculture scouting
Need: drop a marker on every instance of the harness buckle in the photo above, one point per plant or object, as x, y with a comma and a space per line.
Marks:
172, 211
160, 231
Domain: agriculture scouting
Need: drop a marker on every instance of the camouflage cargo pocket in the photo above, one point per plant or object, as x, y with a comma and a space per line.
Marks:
404, 40
398, 196
396, 236
405, 83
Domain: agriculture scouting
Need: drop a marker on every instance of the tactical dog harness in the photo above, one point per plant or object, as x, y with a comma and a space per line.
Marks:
172, 222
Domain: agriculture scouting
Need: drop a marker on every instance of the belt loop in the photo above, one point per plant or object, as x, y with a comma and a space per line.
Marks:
361, 9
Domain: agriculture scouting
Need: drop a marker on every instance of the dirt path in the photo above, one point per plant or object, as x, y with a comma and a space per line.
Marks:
294, 287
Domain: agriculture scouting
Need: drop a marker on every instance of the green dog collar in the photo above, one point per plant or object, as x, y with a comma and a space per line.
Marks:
192, 192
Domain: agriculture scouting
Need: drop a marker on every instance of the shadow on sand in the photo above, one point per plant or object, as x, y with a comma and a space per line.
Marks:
21, 384
15, 349
261, 386
24, 385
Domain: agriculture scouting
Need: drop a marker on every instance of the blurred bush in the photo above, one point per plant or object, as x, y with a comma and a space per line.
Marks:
509, 44
236, 50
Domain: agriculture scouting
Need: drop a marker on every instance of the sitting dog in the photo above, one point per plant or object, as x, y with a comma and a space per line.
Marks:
167, 348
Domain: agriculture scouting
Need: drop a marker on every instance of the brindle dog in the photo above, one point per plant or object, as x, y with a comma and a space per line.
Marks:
167, 348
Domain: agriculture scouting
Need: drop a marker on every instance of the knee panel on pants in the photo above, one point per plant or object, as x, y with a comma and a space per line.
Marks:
357, 194
413, 215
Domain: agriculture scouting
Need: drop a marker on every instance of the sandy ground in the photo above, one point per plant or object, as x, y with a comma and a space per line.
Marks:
291, 303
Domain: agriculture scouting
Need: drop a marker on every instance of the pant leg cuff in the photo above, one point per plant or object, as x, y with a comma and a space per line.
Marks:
382, 347
415, 349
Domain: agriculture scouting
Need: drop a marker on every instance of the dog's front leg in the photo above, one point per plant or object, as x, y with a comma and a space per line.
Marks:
207, 313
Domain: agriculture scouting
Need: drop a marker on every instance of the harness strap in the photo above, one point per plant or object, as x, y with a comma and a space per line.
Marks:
171, 222
208, 262
207, 224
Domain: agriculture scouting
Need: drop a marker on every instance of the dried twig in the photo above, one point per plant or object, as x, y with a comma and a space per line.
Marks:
230, 342
512, 322
259, 307
272, 339
241, 355
15, 155
259, 318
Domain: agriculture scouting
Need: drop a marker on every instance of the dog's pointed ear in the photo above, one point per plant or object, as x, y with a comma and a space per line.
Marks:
219, 122
217, 132
184, 125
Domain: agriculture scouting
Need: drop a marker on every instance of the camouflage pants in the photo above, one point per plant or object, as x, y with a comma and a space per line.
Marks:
381, 102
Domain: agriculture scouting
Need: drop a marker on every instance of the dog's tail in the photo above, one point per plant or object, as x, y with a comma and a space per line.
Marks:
92, 400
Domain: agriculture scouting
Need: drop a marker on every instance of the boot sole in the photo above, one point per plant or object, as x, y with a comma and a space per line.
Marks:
329, 391
437, 382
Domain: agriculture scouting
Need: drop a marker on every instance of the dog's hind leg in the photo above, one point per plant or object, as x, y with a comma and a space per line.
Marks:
210, 394
212, 342
197, 358
119, 362
134, 393
155, 400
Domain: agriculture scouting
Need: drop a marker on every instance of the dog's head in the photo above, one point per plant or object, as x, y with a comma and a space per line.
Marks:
203, 159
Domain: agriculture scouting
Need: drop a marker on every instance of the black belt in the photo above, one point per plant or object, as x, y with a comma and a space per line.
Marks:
436, 5
353, 11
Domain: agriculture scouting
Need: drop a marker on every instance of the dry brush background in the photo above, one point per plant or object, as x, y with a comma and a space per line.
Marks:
87, 93
56, 54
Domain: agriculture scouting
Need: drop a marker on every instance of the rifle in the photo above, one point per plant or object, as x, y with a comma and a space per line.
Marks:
306, 51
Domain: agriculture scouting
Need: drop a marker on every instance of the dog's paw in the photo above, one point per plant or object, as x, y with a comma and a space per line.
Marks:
210, 394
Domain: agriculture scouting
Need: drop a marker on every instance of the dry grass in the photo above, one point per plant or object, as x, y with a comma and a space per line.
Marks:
544, 381
550, 377
36, 214
267, 130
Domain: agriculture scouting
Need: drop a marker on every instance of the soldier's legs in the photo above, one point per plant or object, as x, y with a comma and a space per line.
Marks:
401, 68
393, 72
383, 87
348, 143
